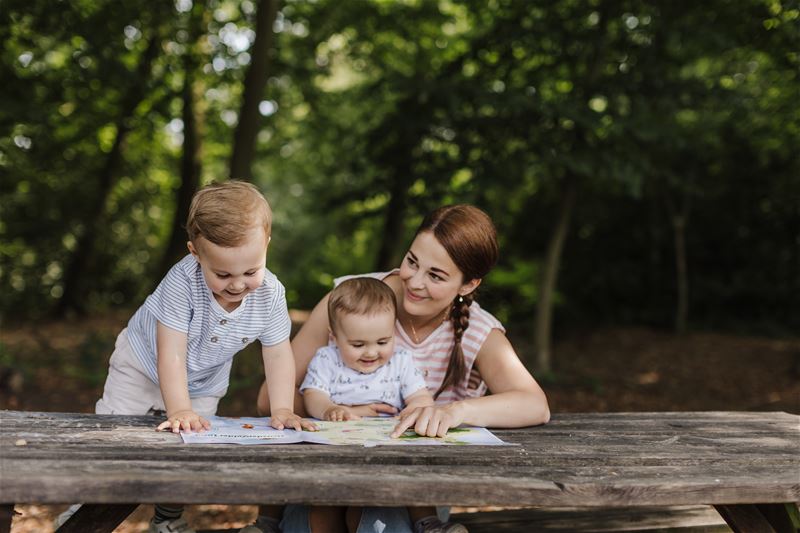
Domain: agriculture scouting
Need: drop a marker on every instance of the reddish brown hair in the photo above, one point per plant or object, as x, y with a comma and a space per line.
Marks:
224, 213
470, 239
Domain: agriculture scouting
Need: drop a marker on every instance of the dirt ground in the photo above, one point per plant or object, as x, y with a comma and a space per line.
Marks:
60, 366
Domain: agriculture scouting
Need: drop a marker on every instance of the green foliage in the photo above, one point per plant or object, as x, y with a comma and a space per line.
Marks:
378, 111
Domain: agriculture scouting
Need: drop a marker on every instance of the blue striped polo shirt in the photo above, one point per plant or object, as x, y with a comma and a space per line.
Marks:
183, 302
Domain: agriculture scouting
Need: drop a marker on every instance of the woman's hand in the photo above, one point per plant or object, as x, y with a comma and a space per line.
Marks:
431, 420
186, 420
339, 413
285, 418
373, 409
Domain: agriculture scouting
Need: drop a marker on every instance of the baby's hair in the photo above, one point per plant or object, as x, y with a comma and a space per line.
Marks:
470, 239
360, 296
224, 213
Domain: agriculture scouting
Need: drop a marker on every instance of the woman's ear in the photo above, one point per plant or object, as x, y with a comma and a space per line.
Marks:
469, 287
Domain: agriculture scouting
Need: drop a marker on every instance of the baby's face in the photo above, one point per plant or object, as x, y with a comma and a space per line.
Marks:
366, 342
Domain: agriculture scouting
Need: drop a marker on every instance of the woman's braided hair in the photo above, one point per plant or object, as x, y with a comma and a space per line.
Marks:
470, 239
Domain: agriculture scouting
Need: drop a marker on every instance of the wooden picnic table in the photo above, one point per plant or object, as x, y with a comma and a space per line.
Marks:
746, 465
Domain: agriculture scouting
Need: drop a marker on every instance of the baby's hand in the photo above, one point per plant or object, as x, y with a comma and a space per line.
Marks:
186, 420
339, 413
284, 418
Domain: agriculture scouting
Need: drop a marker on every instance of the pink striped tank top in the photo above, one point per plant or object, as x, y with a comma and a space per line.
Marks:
433, 353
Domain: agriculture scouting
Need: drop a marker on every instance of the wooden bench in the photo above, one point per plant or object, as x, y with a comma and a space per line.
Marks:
745, 465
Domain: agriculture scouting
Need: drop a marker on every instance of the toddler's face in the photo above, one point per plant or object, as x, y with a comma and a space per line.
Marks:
366, 343
232, 273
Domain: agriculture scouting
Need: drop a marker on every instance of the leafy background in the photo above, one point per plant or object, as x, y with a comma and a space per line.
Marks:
640, 160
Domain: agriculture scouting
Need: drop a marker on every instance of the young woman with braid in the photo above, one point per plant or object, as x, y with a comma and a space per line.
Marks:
461, 349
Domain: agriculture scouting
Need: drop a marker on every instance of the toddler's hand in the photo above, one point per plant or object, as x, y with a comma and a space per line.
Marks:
284, 418
186, 420
373, 409
339, 413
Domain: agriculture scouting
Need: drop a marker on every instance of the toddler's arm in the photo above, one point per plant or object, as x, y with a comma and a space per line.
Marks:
172, 379
279, 369
319, 405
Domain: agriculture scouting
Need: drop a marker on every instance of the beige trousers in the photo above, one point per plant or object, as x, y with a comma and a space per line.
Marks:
129, 391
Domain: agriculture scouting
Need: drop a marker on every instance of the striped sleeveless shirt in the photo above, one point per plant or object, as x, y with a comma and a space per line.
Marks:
432, 355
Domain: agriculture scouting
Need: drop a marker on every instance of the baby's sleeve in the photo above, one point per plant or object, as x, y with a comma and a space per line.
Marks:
411, 378
320, 373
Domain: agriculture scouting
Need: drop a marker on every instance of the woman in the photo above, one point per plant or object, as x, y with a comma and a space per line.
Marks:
461, 349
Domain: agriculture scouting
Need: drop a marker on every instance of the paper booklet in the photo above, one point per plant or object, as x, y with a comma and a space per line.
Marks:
364, 432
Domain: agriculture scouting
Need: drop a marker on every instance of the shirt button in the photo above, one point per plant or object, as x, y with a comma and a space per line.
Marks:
244, 340
214, 339
223, 321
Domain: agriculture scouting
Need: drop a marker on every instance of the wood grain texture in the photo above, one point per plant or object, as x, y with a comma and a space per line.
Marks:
612, 460
616, 519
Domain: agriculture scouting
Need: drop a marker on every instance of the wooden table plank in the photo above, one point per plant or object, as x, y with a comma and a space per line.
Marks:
615, 459
215, 482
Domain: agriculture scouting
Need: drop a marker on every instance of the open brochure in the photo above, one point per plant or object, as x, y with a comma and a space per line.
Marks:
364, 432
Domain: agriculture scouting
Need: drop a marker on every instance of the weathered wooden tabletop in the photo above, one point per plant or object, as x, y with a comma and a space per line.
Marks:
577, 460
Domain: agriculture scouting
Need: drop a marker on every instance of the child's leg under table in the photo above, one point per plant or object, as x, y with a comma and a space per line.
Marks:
130, 391
366, 519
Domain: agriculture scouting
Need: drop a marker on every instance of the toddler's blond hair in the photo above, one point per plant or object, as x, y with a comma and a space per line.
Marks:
224, 213
360, 296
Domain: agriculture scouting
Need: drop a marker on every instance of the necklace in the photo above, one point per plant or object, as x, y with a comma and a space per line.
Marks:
414, 330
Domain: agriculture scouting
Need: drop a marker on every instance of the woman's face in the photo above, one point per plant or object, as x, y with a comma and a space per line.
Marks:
430, 279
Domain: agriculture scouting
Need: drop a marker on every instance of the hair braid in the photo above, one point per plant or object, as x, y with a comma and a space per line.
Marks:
457, 367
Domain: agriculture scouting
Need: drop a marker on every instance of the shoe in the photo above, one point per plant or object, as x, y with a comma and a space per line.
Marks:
434, 525
178, 525
66, 515
262, 524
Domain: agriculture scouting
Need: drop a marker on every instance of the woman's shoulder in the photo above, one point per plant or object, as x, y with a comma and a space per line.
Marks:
483, 318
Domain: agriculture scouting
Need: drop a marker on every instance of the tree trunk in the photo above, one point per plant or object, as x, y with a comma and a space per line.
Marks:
191, 158
544, 307
244, 137
679, 220
393, 222
543, 326
76, 271
681, 273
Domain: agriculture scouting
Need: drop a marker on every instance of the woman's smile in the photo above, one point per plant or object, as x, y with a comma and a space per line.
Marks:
414, 297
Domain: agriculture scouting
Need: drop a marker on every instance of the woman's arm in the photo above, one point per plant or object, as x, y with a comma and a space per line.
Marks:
312, 335
516, 399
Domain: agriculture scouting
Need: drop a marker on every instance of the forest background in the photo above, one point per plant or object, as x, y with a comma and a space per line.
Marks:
640, 160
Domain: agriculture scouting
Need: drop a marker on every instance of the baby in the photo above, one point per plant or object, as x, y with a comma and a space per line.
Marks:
359, 368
